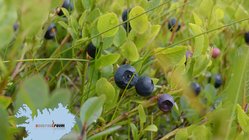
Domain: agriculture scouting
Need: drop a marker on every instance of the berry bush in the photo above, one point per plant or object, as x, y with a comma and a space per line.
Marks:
128, 69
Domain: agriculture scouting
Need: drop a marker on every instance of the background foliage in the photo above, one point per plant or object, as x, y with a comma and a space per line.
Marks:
42, 73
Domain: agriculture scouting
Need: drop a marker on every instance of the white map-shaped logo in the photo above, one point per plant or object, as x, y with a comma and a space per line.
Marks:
49, 124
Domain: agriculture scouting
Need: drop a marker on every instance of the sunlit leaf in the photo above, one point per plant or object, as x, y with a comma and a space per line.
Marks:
243, 119
140, 22
199, 41
170, 57
152, 128
106, 60
107, 22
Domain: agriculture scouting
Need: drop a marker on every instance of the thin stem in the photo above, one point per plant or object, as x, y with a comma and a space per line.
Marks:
203, 33
46, 59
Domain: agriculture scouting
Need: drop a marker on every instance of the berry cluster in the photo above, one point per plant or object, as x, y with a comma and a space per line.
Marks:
196, 87
52, 30
126, 77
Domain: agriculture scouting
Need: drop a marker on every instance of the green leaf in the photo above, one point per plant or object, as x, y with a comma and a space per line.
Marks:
181, 134
142, 116
107, 71
7, 19
200, 132
103, 87
219, 13
243, 119
206, 8
120, 37
107, 42
59, 96
88, 4
210, 94
170, 57
241, 13
152, 128
143, 40
91, 110
106, 60
139, 22
134, 131
33, 92
78, 6
33, 17
4, 127
201, 64
5, 101
199, 41
155, 29
93, 15
107, 22
55, 3
105, 132
197, 19
129, 51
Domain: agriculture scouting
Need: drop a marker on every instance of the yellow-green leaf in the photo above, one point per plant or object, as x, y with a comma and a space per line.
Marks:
5, 101
103, 87
106, 60
129, 51
243, 119
170, 57
107, 22
199, 41
140, 22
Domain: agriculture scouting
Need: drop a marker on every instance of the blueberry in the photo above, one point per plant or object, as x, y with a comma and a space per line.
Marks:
196, 88
126, 25
125, 74
217, 80
246, 37
165, 102
16, 26
51, 31
66, 4
215, 52
172, 24
91, 50
189, 54
144, 86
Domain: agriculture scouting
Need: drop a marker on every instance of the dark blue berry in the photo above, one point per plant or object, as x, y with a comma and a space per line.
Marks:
246, 37
172, 24
144, 86
67, 4
196, 88
126, 25
91, 50
16, 26
217, 80
125, 76
165, 102
51, 32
